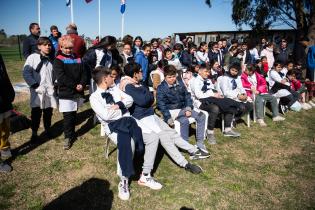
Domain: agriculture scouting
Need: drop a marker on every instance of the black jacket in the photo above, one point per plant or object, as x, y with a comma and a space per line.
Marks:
7, 93
30, 45
68, 72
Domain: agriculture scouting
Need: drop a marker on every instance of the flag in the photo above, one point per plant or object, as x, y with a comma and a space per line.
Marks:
68, 2
123, 6
88, 1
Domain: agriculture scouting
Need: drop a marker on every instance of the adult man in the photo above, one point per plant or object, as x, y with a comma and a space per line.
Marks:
284, 53
30, 43
54, 36
78, 43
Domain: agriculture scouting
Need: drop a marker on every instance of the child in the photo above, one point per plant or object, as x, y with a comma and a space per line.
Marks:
264, 66
171, 59
111, 107
175, 103
268, 53
256, 88
153, 128
6, 99
202, 53
137, 45
157, 76
280, 88
142, 59
297, 86
216, 71
209, 99
37, 73
231, 87
116, 74
126, 54
70, 79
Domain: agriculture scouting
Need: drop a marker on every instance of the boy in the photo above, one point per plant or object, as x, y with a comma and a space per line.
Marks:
37, 73
175, 103
110, 105
153, 128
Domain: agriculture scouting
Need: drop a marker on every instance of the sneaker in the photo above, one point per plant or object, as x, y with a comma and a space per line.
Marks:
305, 106
195, 169
123, 190
261, 122
309, 106
5, 168
6, 153
231, 133
149, 182
278, 118
67, 144
311, 103
199, 154
211, 138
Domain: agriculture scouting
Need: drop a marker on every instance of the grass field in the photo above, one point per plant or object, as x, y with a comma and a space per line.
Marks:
13, 63
267, 168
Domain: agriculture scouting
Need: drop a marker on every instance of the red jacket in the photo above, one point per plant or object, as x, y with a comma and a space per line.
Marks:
261, 84
295, 85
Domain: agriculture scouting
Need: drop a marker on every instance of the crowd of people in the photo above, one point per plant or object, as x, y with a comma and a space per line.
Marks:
144, 94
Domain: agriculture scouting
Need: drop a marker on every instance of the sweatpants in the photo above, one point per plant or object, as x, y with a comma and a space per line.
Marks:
36, 114
4, 133
69, 120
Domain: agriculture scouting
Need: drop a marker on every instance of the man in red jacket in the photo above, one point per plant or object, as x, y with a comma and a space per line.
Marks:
79, 47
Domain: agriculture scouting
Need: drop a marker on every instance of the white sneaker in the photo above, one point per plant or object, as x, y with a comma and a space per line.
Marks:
149, 182
261, 122
278, 118
310, 106
311, 103
305, 107
123, 190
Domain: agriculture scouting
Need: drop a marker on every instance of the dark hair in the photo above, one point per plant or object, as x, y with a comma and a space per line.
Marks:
201, 45
53, 27
277, 63
166, 50
127, 44
127, 39
105, 42
138, 38
154, 40
290, 73
146, 46
234, 41
32, 25
99, 72
162, 63
223, 39
213, 43
263, 57
178, 46
212, 62
251, 67
236, 66
43, 40
131, 68
116, 68
169, 70
232, 48
182, 37
203, 66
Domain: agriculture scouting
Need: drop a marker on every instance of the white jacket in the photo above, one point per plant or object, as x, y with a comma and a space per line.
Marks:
43, 96
269, 54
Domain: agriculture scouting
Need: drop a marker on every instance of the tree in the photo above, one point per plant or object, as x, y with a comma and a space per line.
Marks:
264, 14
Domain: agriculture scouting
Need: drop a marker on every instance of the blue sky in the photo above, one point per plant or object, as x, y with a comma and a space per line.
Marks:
148, 18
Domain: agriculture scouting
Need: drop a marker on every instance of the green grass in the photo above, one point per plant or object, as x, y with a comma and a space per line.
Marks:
13, 63
267, 168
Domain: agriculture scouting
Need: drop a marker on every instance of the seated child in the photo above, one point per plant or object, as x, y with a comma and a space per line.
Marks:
256, 88
38, 74
231, 87
153, 128
116, 74
175, 103
207, 98
111, 107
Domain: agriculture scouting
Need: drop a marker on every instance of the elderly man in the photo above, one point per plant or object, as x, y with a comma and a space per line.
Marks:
30, 43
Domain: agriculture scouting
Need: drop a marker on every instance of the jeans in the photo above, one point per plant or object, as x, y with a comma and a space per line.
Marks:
260, 103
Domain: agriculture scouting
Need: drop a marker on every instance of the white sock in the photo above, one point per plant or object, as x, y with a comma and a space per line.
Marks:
228, 129
210, 131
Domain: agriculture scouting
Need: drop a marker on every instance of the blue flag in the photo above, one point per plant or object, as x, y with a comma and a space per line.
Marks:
123, 6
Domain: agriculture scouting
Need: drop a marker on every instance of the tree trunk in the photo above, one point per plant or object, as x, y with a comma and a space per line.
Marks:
311, 27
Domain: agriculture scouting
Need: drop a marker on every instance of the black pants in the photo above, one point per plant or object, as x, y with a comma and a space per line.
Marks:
213, 111
36, 114
69, 120
244, 109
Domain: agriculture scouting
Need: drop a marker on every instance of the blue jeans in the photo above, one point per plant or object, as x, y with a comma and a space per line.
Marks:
200, 125
260, 103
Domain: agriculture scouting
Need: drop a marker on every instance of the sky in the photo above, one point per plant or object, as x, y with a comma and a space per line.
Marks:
147, 18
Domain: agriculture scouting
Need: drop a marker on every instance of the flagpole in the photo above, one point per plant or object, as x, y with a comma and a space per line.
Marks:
99, 19
71, 10
122, 25
38, 5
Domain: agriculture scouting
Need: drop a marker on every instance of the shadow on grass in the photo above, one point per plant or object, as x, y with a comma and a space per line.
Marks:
55, 130
92, 194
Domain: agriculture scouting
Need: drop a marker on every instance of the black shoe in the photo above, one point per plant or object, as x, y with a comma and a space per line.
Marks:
48, 133
193, 168
199, 154
34, 138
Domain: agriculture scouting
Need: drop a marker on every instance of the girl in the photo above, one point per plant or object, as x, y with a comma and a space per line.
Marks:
116, 74
137, 45
70, 77
37, 73
230, 58
188, 56
157, 76
202, 54
171, 59
268, 52
142, 59
216, 71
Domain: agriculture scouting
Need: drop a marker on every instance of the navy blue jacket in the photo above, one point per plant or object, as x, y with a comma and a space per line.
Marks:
142, 101
172, 98
187, 59
7, 93
30, 45
214, 56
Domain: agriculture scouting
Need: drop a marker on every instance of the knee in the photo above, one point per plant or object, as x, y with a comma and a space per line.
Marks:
183, 121
215, 109
201, 117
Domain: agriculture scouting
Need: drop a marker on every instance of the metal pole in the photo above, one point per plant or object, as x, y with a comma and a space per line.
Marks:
71, 10
122, 25
99, 19
38, 5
